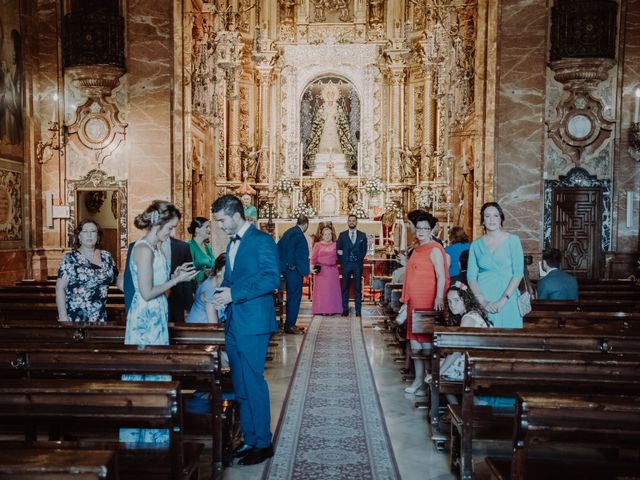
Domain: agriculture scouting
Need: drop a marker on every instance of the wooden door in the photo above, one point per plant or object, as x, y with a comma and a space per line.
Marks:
576, 224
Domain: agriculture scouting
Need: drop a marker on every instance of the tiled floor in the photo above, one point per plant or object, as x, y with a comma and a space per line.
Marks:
408, 429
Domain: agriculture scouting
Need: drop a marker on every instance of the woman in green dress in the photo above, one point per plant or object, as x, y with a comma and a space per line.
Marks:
496, 267
201, 252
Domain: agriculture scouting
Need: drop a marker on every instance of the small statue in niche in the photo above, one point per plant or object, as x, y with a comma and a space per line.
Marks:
287, 9
376, 11
408, 164
252, 160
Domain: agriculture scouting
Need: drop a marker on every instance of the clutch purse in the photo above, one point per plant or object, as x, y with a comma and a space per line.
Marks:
524, 303
316, 269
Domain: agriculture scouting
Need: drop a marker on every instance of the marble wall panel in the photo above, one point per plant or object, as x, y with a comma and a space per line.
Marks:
522, 51
148, 82
627, 170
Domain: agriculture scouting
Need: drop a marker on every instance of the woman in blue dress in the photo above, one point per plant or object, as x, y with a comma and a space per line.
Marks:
496, 267
148, 316
202, 310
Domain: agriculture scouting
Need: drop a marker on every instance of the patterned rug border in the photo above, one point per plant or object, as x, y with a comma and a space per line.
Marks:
357, 332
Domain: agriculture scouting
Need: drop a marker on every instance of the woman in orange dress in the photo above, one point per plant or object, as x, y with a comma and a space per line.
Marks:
425, 281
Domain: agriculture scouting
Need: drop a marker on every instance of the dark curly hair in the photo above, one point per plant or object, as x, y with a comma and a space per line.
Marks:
75, 238
196, 223
470, 305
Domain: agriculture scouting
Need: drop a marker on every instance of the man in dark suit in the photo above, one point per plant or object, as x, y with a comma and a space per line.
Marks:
293, 251
251, 275
556, 284
351, 248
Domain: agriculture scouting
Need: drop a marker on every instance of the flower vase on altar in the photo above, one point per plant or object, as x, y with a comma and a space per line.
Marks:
375, 206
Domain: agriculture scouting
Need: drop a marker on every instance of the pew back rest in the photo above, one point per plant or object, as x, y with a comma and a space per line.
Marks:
460, 339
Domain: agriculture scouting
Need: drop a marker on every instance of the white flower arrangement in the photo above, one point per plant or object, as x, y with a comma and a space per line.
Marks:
392, 207
303, 209
264, 212
358, 210
285, 185
374, 186
423, 199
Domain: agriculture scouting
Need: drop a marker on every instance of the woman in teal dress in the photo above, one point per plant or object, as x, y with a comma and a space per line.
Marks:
148, 316
496, 267
201, 252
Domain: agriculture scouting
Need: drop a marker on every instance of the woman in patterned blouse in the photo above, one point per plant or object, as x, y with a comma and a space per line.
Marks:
84, 277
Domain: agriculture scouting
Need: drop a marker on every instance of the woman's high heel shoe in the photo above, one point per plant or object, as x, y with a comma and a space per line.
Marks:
412, 389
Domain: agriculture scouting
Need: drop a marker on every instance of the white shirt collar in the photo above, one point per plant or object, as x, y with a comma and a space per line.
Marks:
243, 229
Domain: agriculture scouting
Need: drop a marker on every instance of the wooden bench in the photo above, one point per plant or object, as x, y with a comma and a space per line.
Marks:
506, 373
101, 407
590, 305
179, 333
57, 464
196, 367
627, 322
47, 311
448, 340
603, 420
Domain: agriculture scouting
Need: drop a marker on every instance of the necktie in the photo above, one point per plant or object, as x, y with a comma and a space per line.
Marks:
235, 238
353, 237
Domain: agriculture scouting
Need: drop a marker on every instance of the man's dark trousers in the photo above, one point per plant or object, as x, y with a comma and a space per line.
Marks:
293, 284
355, 269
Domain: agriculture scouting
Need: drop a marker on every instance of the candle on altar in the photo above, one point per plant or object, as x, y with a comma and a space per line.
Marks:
636, 116
417, 175
270, 171
301, 166
388, 166
358, 159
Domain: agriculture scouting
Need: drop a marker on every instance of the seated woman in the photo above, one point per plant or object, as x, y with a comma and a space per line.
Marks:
327, 295
202, 310
464, 311
84, 277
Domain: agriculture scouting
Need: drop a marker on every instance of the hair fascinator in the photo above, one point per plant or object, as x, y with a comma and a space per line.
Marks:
154, 217
460, 285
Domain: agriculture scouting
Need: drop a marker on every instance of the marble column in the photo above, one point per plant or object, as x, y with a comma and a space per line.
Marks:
397, 99
235, 157
265, 76
428, 132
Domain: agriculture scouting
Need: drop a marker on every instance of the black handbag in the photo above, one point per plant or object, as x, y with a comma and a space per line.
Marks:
316, 269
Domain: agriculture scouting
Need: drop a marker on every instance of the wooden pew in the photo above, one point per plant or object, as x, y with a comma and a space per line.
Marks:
57, 464
622, 322
179, 333
506, 373
196, 367
47, 311
602, 420
448, 340
101, 407
589, 305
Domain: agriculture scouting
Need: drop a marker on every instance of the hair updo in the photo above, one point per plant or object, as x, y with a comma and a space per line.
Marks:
157, 214
196, 223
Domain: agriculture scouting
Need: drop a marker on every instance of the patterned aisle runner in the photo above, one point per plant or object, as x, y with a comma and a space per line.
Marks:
332, 426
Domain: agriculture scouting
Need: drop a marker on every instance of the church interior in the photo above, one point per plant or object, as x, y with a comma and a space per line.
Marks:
329, 108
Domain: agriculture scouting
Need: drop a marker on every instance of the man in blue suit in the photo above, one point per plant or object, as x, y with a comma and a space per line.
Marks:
351, 248
293, 251
251, 275
556, 284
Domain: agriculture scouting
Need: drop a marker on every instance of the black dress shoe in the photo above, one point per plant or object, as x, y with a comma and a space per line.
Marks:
242, 450
345, 313
256, 456
358, 314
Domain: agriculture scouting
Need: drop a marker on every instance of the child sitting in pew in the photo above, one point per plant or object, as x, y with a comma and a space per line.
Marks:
464, 311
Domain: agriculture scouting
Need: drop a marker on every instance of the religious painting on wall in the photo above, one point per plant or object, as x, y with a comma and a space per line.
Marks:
10, 207
329, 127
11, 81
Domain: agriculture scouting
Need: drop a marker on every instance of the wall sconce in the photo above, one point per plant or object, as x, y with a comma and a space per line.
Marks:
634, 130
55, 139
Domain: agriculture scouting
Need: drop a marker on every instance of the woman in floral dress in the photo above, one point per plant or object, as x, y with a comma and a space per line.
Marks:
84, 277
148, 316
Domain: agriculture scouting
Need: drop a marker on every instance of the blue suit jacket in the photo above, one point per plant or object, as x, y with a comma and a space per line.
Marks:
557, 285
293, 250
255, 276
350, 252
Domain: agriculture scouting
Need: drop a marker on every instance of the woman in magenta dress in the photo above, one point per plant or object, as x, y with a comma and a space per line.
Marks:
327, 296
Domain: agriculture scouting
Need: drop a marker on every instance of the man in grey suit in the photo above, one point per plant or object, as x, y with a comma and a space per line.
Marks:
351, 248
555, 284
